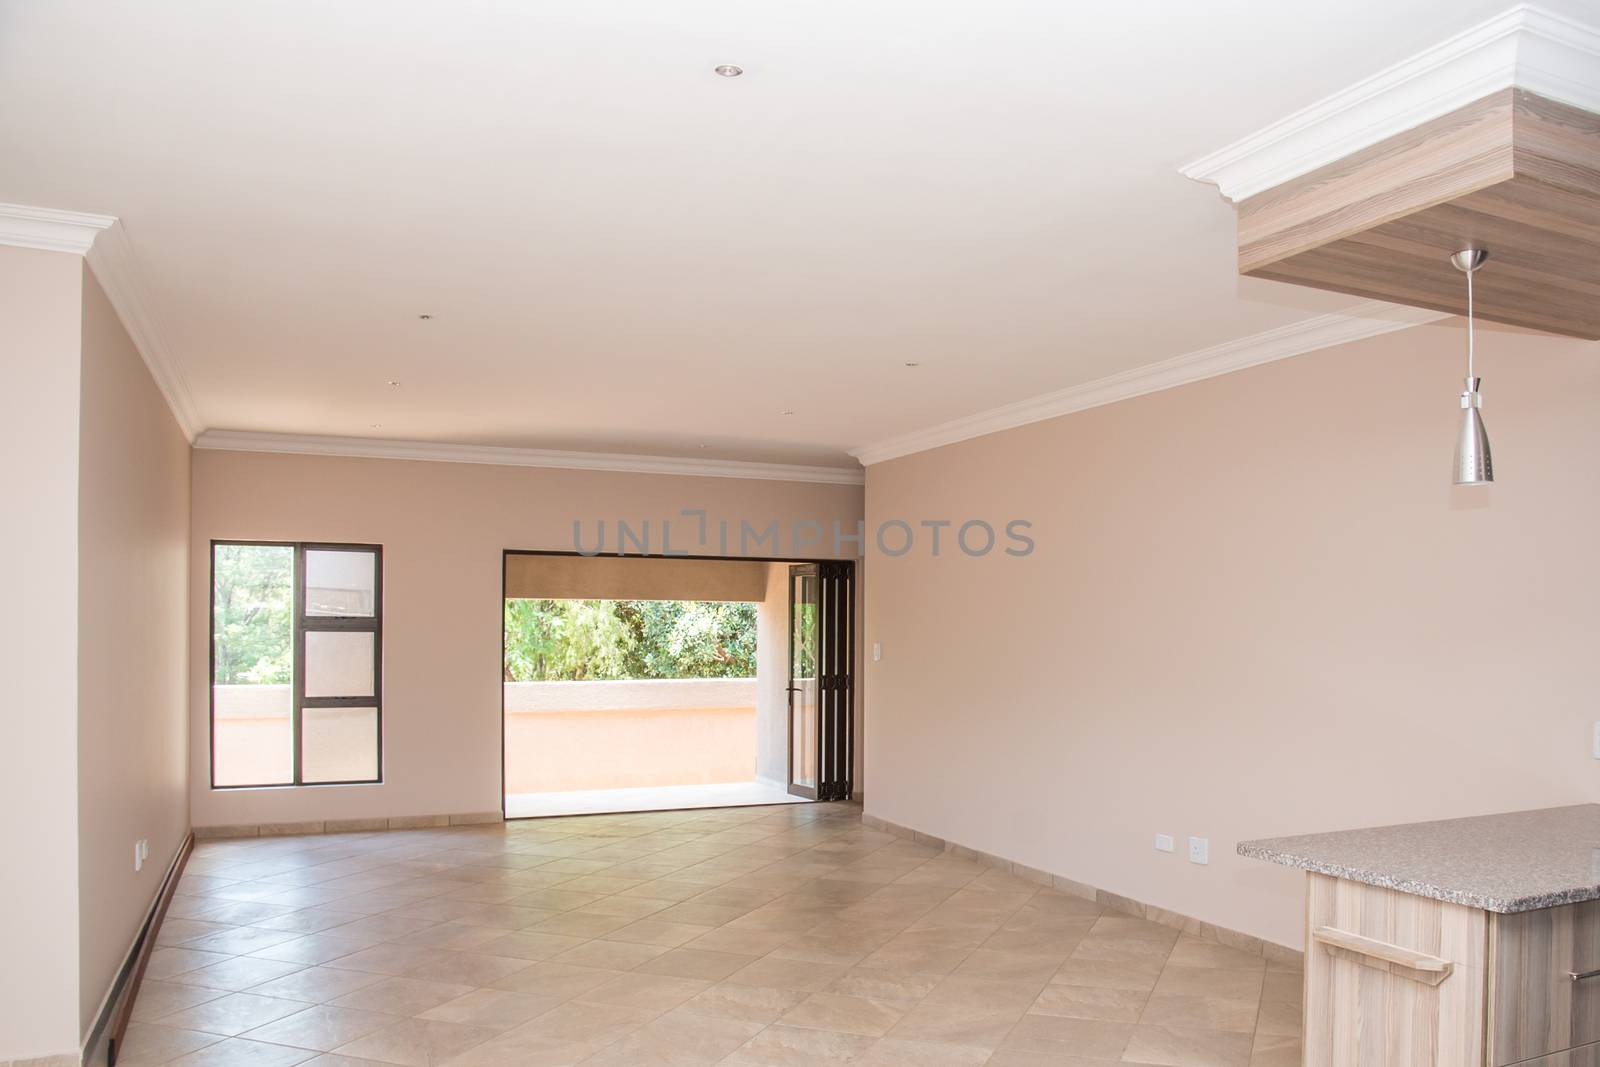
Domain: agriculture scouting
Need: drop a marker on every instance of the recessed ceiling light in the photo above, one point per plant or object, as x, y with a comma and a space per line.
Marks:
424, 318
391, 382
786, 411
374, 425
912, 363
728, 70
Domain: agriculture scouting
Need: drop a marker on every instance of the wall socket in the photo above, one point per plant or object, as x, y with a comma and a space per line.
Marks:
1164, 843
141, 852
877, 654
1199, 850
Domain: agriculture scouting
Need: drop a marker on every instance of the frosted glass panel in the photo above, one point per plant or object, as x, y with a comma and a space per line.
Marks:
339, 663
339, 744
341, 584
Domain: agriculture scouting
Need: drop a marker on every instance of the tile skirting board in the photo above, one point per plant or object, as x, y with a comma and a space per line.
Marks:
1268, 950
347, 826
65, 1059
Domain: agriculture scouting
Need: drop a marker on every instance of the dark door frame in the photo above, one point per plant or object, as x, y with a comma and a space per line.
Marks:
847, 567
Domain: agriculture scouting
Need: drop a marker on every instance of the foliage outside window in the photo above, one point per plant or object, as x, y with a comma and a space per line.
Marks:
595, 640
253, 600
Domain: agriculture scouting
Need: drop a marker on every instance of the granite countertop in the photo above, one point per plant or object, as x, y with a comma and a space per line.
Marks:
1520, 861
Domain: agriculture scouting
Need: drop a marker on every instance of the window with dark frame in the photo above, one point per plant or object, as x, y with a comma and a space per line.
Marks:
296, 664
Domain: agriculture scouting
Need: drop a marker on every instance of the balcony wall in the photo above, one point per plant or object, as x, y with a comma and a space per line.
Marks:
617, 735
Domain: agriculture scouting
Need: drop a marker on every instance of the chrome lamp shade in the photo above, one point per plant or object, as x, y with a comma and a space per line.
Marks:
1474, 464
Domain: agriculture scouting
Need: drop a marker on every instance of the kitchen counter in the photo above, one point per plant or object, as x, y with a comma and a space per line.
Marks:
1521, 861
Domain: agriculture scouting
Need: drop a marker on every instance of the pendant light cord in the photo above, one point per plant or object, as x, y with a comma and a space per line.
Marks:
1469, 328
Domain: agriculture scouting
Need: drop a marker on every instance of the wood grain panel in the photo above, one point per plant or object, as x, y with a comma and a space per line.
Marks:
1515, 173
1362, 1016
1535, 1006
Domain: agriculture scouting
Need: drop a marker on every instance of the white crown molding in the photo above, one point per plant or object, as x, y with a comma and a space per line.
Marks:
104, 242
49, 230
375, 448
1367, 319
1526, 46
111, 259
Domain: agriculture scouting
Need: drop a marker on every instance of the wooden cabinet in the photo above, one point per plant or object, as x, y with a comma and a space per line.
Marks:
1392, 980
1537, 1007
1396, 980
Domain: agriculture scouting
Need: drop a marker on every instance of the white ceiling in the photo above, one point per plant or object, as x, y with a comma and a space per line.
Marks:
624, 252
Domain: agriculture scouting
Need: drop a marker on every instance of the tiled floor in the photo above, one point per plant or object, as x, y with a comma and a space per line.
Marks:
655, 798
750, 936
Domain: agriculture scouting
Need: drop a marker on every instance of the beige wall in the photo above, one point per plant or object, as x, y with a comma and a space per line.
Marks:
40, 304
133, 560
1256, 607
443, 527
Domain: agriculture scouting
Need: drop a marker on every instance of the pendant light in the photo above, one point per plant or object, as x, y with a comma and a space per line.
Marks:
1474, 466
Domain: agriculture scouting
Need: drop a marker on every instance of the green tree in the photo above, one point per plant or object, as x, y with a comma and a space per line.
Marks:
576, 640
252, 600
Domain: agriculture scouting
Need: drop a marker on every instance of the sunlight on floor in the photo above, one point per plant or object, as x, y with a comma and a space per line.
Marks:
655, 798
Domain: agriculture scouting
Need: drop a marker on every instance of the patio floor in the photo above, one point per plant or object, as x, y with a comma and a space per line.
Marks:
654, 798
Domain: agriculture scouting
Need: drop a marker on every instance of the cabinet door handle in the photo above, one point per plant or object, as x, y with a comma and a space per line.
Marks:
1578, 976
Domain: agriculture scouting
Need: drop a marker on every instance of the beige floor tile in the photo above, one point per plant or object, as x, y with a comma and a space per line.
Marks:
1279, 1018
729, 1000
529, 944
783, 1046
402, 996
1110, 974
322, 1027
608, 955
468, 968
239, 1052
1201, 1013
1007, 964
1282, 987
578, 1022
156, 999
239, 973
1192, 952
1211, 982
1272, 1050
1168, 1046
496, 1009
846, 1015
1091, 1002
316, 985
416, 1042
653, 992
1091, 1039
774, 973
677, 1039
233, 1014
167, 963
896, 1052
695, 963
598, 939
146, 1044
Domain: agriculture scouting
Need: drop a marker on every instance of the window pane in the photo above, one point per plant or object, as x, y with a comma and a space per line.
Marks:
340, 744
341, 583
339, 663
252, 612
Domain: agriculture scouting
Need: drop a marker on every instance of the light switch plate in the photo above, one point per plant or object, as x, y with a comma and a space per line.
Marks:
1164, 843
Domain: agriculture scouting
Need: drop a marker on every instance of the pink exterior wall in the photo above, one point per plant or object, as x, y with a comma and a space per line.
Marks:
444, 527
1257, 607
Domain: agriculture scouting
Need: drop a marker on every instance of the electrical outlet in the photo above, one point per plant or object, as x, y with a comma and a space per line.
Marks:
144, 848
138, 855
1164, 843
1199, 850
877, 654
